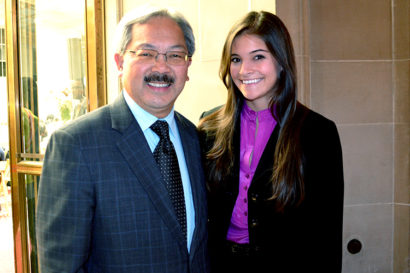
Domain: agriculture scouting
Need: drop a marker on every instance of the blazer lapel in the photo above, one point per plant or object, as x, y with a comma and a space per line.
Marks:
267, 158
134, 147
265, 162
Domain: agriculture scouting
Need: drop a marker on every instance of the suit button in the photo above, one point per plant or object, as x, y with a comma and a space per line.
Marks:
254, 197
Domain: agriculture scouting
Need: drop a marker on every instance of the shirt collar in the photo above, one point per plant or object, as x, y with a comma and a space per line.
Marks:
146, 119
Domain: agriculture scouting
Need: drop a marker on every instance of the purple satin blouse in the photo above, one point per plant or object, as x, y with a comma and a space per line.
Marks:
256, 129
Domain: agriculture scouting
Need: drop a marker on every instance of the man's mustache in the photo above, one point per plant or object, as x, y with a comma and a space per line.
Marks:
158, 77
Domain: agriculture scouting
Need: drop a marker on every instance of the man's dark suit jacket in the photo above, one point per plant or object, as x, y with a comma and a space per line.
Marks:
103, 206
303, 239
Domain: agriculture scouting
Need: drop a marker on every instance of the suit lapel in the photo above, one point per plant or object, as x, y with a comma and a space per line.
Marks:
134, 147
189, 140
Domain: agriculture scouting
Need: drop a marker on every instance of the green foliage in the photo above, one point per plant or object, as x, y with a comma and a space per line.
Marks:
65, 110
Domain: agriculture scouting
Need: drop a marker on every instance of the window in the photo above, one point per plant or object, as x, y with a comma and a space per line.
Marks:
54, 75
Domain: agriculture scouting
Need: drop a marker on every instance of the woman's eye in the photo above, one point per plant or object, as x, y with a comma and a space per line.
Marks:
235, 60
259, 57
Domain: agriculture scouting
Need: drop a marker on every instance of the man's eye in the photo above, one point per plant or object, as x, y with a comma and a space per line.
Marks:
175, 56
145, 54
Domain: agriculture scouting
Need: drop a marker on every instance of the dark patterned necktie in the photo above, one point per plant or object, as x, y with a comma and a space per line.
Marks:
167, 161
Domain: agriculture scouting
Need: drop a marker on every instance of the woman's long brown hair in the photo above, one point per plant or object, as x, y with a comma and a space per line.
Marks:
287, 179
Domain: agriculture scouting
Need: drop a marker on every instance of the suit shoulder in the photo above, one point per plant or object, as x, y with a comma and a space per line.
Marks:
182, 120
91, 121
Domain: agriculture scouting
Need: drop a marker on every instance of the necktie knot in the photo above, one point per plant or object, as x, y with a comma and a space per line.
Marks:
160, 127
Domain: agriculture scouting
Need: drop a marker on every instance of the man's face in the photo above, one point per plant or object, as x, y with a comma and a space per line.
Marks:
154, 94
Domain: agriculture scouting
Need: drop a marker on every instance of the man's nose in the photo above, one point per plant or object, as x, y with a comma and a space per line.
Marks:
160, 63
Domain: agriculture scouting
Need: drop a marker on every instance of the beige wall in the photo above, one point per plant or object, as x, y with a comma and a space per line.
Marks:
355, 59
211, 21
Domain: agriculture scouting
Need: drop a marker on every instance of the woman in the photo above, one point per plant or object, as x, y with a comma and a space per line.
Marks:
274, 167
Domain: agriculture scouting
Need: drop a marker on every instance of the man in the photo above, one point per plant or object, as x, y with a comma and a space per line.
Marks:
104, 202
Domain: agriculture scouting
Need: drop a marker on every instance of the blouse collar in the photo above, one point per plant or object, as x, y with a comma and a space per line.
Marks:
251, 115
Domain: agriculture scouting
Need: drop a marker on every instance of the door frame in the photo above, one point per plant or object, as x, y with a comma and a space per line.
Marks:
96, 96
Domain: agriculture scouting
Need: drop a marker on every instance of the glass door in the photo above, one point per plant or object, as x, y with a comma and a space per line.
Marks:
55, 75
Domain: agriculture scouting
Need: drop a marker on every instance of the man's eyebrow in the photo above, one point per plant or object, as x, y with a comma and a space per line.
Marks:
150, 46
178, 47
145, 45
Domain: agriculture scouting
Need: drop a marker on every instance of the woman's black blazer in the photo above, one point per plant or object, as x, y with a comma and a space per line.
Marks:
307, 238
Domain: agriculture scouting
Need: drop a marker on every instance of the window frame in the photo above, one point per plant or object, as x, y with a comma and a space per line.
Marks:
22, 164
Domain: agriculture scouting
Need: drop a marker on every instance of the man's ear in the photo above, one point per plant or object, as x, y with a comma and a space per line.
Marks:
189, 63
119, 60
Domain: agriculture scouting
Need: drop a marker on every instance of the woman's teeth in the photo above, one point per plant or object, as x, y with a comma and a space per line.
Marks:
251, 81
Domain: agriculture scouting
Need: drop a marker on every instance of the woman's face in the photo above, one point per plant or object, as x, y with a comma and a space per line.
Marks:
254, 70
